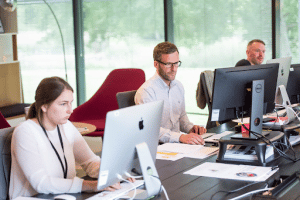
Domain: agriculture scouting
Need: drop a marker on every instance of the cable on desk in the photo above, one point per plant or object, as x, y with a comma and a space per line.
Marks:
267, 141
249, 193
122, 179
274, 124
129, 175
236, 190
161, 188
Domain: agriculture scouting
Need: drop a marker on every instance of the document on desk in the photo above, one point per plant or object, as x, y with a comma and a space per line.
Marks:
175, 151
231, 171
203, 152
168, 156
178, 148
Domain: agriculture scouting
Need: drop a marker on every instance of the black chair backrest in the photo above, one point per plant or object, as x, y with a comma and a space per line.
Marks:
126, 99
5, 149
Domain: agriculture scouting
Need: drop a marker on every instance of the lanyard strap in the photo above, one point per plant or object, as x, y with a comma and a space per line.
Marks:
65, 170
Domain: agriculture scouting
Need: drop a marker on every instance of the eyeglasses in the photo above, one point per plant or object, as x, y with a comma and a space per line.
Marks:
169, 65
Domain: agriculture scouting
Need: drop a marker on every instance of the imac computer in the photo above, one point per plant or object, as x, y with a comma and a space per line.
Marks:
130, 141
233, 96
293, 85
281, 97
283, 70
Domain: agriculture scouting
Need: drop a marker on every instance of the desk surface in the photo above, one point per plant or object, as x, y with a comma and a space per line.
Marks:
84, 128
182, 186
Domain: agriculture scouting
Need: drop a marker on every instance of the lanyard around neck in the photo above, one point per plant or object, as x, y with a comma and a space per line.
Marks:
65, 170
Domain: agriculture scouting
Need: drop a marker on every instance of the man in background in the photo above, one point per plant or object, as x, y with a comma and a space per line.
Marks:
255, 53
175, 125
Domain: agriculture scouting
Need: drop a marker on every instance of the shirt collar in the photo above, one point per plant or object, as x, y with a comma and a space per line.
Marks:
162, 82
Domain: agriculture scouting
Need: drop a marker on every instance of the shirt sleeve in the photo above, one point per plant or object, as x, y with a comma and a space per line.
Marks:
145, 96
84, 156
185, 123
28, 157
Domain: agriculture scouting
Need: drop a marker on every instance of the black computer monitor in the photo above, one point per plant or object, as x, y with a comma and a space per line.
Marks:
232, 96
293, 85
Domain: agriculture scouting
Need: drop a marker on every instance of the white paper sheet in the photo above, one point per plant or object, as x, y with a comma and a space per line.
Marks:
178, 148
203, 153
169, 156
175, 151
231, 171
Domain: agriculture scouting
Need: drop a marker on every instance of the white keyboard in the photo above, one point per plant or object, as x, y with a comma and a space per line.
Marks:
125, 188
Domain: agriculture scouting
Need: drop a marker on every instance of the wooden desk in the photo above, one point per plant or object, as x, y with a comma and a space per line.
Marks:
182, 186
84, 128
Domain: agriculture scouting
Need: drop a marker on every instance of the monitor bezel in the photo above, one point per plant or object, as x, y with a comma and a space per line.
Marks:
228, 97
123, 132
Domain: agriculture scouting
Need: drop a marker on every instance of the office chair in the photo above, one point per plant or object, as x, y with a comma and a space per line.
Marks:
204, 94
126, 99
94, 110
5, 166
3, 122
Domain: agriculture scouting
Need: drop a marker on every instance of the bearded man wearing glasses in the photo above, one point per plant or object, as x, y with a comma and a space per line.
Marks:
175, 125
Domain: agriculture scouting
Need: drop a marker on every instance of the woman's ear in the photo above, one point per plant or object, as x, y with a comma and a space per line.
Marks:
44, 108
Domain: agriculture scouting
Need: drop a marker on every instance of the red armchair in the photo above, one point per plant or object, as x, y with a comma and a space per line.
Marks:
3, 122
94, 110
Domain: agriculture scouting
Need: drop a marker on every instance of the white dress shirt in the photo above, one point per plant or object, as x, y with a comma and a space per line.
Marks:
174, 118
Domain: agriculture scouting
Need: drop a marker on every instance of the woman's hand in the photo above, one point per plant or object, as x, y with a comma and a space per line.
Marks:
113, 187
91, 186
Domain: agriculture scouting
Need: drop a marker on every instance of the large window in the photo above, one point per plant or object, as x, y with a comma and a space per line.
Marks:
289, 29
120, 34
214, 34
40, 47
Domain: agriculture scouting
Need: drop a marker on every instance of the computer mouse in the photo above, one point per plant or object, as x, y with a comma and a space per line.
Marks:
65, 197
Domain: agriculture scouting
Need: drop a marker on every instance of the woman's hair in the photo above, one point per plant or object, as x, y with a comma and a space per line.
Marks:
47, 91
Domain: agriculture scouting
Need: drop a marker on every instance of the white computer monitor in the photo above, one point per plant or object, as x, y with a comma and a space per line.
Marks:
282, 78
130, 132
283, 71
281, 97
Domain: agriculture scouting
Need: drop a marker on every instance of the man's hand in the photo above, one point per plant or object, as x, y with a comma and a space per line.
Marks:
198, 130
191, 138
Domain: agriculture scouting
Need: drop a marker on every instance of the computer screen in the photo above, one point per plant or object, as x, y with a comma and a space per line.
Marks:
232, 90
293, 85
282, 78
283, 71
125, 129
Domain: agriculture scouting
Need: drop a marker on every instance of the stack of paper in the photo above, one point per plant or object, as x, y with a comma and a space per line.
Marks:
175, 151
240, 152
